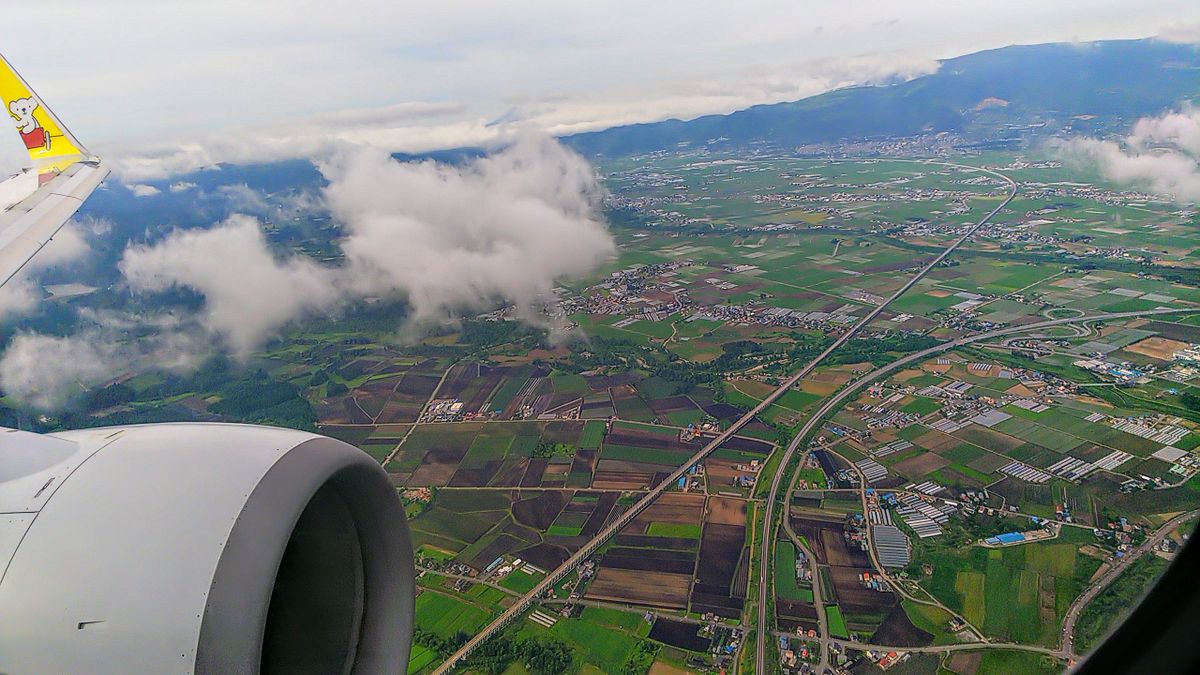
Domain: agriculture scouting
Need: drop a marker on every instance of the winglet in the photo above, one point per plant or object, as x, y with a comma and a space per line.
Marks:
66, 175
50, 145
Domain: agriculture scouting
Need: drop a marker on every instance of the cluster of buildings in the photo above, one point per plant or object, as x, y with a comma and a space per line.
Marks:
500, 568
1122, 534
891, 544
1068, 191
443, 410
755, 313
649, 292
803, 571
646, 291
1124, 373
1188, 355
693, 479
924, 517
1163, 429
797, 655
883, 415
937, 144
1185, 364
1015, 538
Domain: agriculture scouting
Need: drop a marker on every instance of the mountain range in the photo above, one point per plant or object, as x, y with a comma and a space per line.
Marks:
999, 96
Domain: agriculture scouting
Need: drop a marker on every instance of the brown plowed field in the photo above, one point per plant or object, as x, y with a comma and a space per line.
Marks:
621, 480
726, 511
672, 507
596, 520
640, 587
438, 466
540, 509
511, 472
897, 629
920, 466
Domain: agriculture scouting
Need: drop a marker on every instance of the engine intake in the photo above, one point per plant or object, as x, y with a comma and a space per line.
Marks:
206, 548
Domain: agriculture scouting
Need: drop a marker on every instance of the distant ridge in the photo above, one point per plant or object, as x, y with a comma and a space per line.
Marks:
987, 96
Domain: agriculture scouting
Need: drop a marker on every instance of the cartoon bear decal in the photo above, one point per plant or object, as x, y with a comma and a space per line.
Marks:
32, 132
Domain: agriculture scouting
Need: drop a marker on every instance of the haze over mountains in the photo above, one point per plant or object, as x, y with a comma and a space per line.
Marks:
996, 97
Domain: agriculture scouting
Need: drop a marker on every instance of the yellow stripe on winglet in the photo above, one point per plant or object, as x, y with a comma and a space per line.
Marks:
51, 147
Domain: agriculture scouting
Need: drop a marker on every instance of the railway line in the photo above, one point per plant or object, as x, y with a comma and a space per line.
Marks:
519, 607
769, 511
852, 388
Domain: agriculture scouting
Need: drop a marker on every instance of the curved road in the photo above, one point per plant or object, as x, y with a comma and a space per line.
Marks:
769, 515
604, 535
1066, 651
518, 607
837, 399
1068, 644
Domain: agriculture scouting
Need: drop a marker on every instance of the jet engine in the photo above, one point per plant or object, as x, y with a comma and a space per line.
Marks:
205, 548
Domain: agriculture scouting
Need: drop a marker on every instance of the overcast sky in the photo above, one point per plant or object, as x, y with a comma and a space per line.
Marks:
236, 80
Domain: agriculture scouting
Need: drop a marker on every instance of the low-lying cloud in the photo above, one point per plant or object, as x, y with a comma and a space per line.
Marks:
143, 190
20, 295
45, 371
501, 229
248, 292
1161, 154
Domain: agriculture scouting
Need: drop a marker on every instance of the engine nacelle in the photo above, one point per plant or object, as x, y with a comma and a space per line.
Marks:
207, 548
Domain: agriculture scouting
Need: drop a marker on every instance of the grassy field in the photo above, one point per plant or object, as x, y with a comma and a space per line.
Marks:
680, 530
837, 623
1026, 663
1113, 604
630, 622
593, 434
520, 581
931, 619
446, 616
1017, 593
600, 645
785, 573
421, 657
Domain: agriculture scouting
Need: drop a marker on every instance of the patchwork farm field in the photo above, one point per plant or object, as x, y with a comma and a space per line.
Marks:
736, 273
1018, 594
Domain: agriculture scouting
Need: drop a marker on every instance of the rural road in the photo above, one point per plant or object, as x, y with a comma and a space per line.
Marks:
518, 608
963, 646
590, 547
837, 399
1066, 651
769, 515
1068, 644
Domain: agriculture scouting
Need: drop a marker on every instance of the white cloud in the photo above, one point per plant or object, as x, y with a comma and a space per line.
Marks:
420, 127
1161, 154
1183, 33
244, 199
310, 138
237, 65
22, 294
1180, 130
182, 186
143, 190
500, 229
249, 292
46, 371
79, 362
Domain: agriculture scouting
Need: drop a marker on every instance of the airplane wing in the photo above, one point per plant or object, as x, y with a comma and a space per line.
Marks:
39, 201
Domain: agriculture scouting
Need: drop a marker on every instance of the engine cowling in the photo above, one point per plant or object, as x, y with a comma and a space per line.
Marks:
207, 548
